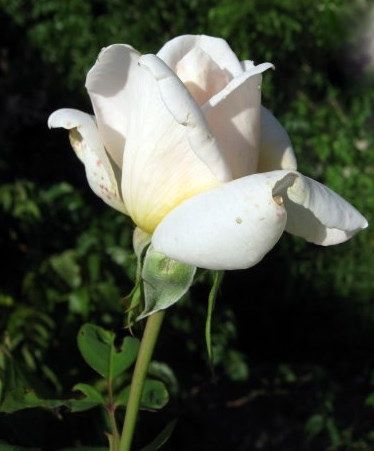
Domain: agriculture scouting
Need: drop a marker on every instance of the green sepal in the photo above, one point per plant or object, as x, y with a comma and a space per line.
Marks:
132, 301
140, 241
165, 280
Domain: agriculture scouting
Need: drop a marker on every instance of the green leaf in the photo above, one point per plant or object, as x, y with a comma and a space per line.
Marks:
217, 279
17, 394
6, 447
236, 366
90, 392
96, 345
98, 350
86, 448
91, 399
166, 281
314, 425
163, 372
79, 301
154, 396
287, 374
333, 431
369, 401
125, 356
66, 266
161, 438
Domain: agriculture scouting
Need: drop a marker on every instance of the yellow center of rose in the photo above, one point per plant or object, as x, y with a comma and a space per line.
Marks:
147, 216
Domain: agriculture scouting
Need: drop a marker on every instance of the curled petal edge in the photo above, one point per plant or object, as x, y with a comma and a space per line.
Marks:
86, 142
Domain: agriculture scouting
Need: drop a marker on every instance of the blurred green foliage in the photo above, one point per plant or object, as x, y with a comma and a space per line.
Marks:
293, 337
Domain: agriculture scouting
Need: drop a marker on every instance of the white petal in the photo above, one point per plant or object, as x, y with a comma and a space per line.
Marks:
247, 65
111, 84
218, 49
160, 168
319, 215
201, 75
233, 116
187, 113
276, 151
86, 142
229, 227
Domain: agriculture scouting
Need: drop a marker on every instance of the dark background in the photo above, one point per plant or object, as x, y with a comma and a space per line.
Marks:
293, 336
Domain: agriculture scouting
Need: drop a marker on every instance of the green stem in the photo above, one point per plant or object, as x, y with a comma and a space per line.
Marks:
147, 346
111, 411
115, 433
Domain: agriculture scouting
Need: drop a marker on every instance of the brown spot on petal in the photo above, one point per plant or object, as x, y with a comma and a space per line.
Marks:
238, 220
278, 200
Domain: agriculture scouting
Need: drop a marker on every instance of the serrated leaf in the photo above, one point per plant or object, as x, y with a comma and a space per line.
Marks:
98, 350
161, 438
166, 281
154, 395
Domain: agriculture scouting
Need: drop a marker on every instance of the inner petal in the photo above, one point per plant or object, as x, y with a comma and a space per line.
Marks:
201, 75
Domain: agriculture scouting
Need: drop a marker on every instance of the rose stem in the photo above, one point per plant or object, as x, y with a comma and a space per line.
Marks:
147, 346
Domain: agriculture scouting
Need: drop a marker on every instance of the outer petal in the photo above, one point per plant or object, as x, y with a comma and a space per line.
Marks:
276, 151
218, 49
161, 167
187, 113
319, 215
233, 116
85, 140
112, 85
229, 227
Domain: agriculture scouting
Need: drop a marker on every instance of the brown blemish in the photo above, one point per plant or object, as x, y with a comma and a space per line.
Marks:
238, 220
278, 200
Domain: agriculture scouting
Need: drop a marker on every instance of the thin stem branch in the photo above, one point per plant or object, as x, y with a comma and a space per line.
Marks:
111, 411
147, 346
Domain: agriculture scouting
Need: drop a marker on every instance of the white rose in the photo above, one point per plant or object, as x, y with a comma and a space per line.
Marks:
181, 143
